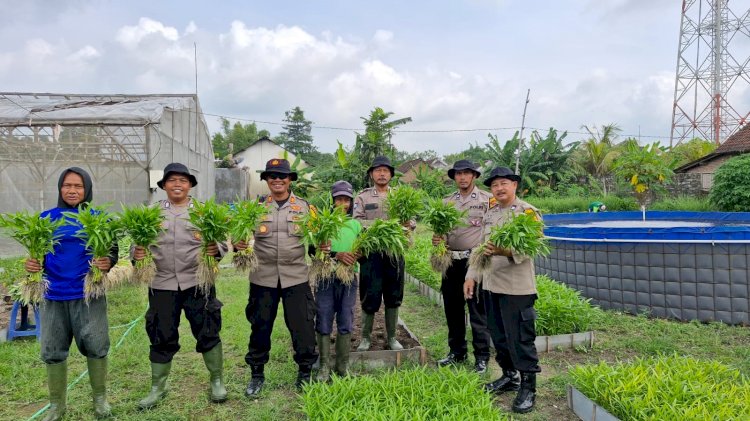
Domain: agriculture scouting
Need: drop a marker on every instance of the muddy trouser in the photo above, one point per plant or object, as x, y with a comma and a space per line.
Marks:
510, 319
452, 289
203, 312
299, 315
63, 321
381, 279
333, 298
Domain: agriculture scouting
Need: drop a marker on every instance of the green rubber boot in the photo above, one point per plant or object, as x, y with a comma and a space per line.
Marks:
159, 374
324, 346
98, 379
343, 346
214, 360
391, 320
57, 382
367, 319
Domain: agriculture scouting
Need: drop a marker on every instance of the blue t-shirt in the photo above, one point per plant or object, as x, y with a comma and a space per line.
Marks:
66, 268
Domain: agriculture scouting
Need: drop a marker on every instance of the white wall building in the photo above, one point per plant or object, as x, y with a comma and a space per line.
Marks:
254, 159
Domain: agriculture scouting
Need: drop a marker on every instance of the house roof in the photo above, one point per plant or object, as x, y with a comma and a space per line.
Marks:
435, 163
737, 143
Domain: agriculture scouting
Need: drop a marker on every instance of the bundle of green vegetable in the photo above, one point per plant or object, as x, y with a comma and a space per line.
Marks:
522, 234
321, 226
37, 235
404, 203
245, 218
143, 224
211, 220
384, 236
100, 233
442, 218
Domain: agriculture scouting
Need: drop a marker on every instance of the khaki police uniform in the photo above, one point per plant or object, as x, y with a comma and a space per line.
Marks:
281, 276
381, 278
511, 293
460, 242
174, 289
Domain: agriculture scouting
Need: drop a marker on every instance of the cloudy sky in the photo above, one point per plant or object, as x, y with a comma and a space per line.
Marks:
447, 64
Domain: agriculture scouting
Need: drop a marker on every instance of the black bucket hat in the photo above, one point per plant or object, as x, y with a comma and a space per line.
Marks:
280, 166
342, 188
501, 172
176, 168
463, 164
381, 161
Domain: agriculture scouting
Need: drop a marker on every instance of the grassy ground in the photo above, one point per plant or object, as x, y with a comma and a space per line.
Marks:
23, 382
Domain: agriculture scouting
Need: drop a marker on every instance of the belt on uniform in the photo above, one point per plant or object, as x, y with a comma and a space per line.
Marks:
459, 255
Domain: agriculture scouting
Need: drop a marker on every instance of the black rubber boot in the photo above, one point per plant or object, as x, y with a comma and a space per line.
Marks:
524, 401
256, 382
303, 377
510, 381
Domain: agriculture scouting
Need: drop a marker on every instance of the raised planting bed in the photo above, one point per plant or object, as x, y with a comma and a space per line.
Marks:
585, 408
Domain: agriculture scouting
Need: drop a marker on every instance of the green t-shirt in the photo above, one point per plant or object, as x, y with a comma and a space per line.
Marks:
346, 238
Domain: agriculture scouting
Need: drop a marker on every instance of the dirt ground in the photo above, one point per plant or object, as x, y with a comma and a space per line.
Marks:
378, 337
5, 306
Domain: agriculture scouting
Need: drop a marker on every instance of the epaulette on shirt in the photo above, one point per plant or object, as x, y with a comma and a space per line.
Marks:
492, 202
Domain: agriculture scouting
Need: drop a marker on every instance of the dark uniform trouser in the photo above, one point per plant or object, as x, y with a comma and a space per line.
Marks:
452, 288
299, 312
510, 319
381, 279
62, 321
163, 321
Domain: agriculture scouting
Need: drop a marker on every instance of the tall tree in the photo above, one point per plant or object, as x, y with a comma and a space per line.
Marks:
296, 135
597, 153
376, 140
238, 135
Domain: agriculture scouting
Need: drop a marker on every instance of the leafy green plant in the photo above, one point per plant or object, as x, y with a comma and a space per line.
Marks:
684, 203
442, 218
561, 309
644, 167
412, 394
384, 236
12, 272
569, 204
211, 220
244, 220
143, 224
731, 189
100, 232
37, 236
321, 226
404, 203
523, 234
417, 261
432, 181
666, 388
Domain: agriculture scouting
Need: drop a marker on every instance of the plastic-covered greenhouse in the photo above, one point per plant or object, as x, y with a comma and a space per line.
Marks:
123, 141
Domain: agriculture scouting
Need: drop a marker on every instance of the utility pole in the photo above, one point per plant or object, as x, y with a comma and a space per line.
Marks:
520, 137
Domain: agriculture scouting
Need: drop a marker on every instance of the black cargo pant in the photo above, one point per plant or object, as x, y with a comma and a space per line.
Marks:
203, 312
510, 319
299, 315
381, 280
452, 289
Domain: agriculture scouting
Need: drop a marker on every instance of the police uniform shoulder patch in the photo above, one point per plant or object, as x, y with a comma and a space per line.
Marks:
263, 229
292, 199
492, 202
269, 199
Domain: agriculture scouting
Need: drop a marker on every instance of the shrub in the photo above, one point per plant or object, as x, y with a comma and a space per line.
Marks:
412, 394
683, 203
666, 388
561, 309
731, 190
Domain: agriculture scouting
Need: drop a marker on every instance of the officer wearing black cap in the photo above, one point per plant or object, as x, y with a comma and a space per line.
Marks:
381, 278
460, 242
510, 295
281, 276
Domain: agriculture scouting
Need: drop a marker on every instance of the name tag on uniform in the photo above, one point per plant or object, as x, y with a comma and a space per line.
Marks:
371, 206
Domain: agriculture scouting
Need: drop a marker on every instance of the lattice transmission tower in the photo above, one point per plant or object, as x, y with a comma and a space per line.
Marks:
712, 71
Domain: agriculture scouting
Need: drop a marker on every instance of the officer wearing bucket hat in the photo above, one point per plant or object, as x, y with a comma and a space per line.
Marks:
382, 278
281, 276
510, 295
460, 242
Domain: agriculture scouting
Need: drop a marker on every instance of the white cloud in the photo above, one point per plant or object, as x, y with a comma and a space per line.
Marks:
85, 53
131, 36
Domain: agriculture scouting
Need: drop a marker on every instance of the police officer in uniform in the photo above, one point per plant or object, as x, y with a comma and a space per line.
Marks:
281, 276
381, 278
460, 242
510, 295
174, 289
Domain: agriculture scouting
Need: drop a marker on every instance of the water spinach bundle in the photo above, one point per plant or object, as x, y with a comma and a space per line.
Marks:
385, 236
100, 232
37, 236
442, 218
321, 226
245, 218
522, 234
404, 203
211, 220
143, 224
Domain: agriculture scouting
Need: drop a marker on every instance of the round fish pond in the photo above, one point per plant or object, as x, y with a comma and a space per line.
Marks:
681, 265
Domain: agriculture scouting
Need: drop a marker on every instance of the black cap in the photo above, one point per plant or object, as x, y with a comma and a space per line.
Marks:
342, 188
280, 166
463, 164
501, 172
176, 168
382, 161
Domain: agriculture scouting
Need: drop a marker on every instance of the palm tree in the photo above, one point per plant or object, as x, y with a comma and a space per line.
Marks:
597, 152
